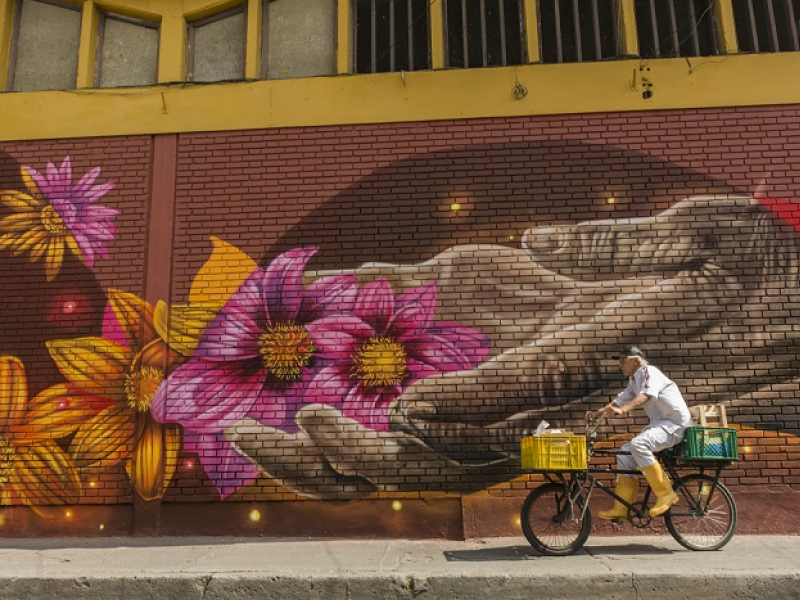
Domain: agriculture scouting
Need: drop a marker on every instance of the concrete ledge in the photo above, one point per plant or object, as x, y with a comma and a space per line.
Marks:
231, 586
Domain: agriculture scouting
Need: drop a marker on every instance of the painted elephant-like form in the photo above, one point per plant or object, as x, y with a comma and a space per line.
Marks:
708, 288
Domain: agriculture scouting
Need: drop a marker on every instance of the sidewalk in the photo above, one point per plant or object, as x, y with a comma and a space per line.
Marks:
491, 569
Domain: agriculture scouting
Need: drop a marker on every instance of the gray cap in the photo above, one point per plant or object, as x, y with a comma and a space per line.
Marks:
629, 351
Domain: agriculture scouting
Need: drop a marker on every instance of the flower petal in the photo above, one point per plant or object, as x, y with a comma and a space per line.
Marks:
13, 394
182, 326
375, 304
208, 396
416, 308
221, 275
338, 336
331, 386
17, 201
334, 294
19, 222
53, 258
283, 284
47, 475
105, 439
370, 407
234, 332
448, 346
57, 412
154, 449
135, 317
94, 364
228, 469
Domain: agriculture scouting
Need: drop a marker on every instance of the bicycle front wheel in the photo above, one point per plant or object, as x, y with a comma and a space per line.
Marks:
552, 524
705, 516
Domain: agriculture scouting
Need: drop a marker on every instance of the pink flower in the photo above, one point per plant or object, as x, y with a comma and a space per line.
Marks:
255, 360
385, 346
89, 224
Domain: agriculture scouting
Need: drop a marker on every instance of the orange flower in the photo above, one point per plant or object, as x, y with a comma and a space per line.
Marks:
33, 467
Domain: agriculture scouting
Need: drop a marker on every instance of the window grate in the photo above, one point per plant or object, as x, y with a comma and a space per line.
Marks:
767, 25
391, 35
578, 30
671, 28
484, 33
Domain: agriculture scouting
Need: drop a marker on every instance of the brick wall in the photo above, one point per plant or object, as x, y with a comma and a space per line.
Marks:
721, 323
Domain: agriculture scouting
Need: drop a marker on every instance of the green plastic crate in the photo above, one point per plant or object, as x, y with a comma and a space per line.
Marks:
710, 443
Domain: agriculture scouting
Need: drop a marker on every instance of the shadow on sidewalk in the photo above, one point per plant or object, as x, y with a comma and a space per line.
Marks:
527, 552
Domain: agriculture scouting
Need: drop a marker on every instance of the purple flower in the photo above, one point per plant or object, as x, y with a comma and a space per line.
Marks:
255, 360
388, 344
89, 224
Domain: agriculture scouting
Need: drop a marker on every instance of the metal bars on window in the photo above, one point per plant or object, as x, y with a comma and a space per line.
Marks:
670, 28
767, 25
484, 33
578, 30
391, 35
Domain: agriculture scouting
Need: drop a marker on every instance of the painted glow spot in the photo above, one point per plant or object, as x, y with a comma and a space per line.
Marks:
611, 200
255, 516
62, 405
518, 522
397, 505
69, 307
68, 514
102, 526
455, 207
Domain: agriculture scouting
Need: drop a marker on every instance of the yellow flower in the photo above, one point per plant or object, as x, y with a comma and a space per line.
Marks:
56, 215
33, 468
128, 373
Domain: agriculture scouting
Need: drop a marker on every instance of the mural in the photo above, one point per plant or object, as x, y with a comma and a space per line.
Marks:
338, 375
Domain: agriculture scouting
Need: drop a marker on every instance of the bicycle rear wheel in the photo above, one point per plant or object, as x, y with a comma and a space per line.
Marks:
551, 524
705, 516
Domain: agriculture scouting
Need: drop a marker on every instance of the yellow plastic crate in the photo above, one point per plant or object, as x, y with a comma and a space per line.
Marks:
554, 452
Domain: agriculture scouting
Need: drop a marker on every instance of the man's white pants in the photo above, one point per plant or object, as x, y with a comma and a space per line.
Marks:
642, 448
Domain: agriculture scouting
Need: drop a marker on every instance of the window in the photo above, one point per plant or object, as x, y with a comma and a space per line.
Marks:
298, 39
216, 47
669, 28
391, 35
45, 46
127, 52
767, 25
578, 30
484, 33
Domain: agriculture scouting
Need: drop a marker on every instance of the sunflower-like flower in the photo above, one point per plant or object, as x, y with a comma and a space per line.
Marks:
34, 470
55, 214
124, 372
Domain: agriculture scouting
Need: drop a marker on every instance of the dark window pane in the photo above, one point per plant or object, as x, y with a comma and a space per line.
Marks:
669, 28
492, 30
577, 30
388, 33
512, 11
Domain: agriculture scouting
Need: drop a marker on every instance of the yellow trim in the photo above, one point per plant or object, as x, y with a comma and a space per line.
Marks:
194, 10
252, 62
6, 31
147, 11
629, 37
390, 97
343, 29
172, 48
531, 9
727, 27
436, 8
87, 52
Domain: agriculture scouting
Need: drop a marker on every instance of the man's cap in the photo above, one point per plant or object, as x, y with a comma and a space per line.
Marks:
629, 351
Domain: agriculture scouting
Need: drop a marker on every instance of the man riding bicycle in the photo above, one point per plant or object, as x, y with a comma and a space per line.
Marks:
669, 417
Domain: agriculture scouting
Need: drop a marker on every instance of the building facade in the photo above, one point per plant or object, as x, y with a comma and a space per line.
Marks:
315, 267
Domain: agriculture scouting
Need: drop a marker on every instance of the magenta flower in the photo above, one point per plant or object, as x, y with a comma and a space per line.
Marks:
255, 360
56, 214
388, 344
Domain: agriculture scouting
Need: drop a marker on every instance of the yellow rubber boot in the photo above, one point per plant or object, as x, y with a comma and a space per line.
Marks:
627, 488
662, 486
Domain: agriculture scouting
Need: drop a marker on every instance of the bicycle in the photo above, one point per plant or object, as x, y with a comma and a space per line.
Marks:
557, 521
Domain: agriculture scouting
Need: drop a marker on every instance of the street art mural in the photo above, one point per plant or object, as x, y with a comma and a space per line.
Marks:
337, 374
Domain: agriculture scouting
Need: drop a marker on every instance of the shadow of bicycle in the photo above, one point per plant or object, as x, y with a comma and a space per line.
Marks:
528, 552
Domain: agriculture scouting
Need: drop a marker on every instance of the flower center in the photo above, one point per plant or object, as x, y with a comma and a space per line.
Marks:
6, 461
52, 221
381, 361
141, 386
285, 349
